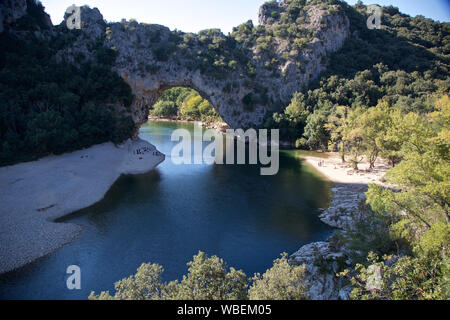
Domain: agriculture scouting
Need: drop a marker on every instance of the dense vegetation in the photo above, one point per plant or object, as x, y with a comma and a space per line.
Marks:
385, 94
407, 235
49, 105
404, 64
184, 104
209, 278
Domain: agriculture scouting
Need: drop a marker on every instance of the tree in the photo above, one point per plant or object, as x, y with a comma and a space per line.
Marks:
210, 279
315, 131
352, 136
281, 282
336, 123
297, 110
421, 177
374, 123
423, 275
144, 285
164, 109
391, 143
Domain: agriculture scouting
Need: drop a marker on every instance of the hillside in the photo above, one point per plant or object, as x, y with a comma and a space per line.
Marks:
312, 69
320, 49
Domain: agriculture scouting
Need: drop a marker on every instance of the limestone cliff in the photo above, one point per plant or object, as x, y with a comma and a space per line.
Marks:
245, 75
241, 77
13, 11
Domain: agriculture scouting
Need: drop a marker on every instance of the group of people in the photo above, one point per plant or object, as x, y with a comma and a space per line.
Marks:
321, 163
144, 150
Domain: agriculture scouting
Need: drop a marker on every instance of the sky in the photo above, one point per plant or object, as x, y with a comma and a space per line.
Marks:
196, 15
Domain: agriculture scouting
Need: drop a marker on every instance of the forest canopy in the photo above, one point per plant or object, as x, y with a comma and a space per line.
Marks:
51, 105
184, 104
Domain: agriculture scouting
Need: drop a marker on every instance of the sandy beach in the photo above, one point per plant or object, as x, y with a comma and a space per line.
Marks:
34, 194
343, 213
349, 187
339, 172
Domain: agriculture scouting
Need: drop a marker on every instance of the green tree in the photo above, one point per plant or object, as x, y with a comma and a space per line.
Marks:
353, 137
336, 123
146, 284
209, 278
164, 109
281, 282
374, 122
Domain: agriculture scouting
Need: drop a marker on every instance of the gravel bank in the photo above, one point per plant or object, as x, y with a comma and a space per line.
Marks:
34, 194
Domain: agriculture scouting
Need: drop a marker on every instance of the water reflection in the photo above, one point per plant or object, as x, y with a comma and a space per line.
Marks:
169, 214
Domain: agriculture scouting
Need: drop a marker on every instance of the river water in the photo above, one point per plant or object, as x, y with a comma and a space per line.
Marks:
169, 214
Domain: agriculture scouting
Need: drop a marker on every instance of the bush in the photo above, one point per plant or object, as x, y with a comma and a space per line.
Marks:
281, 282
164, 109
51, 106
209, 278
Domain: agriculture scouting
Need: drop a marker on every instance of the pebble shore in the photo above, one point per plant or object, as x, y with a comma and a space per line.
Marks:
34, 194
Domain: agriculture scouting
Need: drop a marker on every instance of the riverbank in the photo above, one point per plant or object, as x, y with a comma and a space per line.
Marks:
34, 194
217, 125
343, 214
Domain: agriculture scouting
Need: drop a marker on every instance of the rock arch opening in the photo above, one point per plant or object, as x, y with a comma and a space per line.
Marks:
246, 75
184, 103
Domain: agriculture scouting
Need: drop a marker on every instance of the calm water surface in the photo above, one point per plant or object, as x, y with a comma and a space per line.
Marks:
169, 214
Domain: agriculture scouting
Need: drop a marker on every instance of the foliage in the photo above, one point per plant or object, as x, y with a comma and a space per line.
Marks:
292, 120
372, 68
404, 277
185, 104
422, 175
209, 278
315, 132
54, 106
281, 282
416, 215
164, 109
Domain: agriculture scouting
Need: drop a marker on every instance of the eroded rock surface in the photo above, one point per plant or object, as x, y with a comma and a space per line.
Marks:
242, 81
323, 260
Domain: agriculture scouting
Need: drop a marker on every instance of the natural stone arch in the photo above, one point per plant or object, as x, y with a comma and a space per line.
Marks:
240, 87
147, 96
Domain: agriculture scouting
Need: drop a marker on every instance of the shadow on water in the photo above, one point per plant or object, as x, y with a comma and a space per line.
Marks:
169, 214
141, 185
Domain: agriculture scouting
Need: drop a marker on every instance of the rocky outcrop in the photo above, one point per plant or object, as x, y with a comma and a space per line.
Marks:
323, 260
344, 212
11, 11
243, 80
151, 59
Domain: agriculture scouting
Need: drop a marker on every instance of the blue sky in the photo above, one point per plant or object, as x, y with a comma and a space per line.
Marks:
195, 15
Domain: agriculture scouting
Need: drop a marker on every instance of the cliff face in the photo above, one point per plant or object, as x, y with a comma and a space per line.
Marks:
11, 11
238, 83
245, 75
